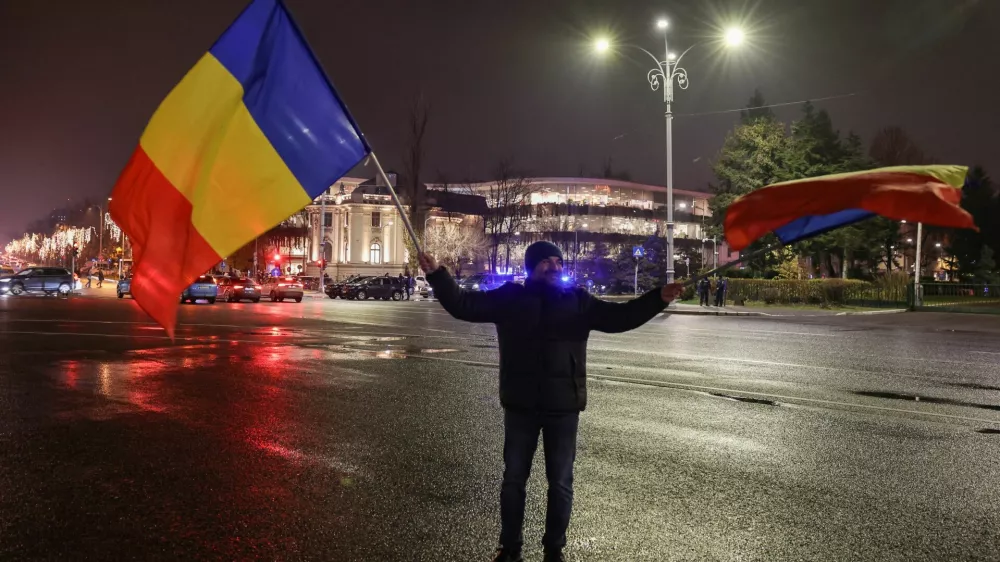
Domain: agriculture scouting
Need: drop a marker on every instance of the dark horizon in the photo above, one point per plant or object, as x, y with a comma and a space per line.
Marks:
516, 82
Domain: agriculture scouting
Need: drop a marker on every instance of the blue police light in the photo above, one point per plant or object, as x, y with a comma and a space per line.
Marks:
565, 278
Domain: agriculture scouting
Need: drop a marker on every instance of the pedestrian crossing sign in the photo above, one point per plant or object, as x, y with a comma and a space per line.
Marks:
638, 252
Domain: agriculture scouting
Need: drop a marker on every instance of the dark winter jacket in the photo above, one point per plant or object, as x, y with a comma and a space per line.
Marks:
543, 333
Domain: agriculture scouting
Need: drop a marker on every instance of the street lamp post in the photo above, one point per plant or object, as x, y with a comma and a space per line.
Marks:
100, 235
664, 74
715, 251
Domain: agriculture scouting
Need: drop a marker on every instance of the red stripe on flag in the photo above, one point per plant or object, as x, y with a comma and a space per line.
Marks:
895, 195
168, 252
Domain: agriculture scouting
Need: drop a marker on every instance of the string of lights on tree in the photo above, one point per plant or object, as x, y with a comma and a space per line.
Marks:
47, 248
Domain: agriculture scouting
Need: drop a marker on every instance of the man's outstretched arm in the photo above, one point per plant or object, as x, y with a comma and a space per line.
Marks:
614, 317
471, 306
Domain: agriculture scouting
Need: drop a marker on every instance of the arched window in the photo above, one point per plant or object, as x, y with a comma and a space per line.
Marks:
375, 253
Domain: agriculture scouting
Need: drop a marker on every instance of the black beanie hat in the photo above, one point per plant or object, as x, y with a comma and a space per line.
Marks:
538, 252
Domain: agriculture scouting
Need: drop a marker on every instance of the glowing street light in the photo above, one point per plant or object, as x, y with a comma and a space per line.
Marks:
734, 36
666, 72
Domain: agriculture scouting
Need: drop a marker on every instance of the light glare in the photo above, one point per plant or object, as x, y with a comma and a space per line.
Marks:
602, 45
734, 36
661, 23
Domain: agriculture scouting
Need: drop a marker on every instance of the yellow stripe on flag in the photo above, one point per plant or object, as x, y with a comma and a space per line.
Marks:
205, 142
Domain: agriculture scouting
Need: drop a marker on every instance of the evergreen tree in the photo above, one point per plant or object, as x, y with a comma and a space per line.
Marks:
973, 251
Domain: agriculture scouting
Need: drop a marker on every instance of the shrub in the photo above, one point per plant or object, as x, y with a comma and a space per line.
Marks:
689, 291
770, 295
833, 292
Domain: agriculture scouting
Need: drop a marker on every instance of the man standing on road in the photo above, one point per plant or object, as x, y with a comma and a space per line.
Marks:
542, 328
703, 289
720, 292
100, 278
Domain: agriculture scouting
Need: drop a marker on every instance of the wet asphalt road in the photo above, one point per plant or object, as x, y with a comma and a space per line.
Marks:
334, 430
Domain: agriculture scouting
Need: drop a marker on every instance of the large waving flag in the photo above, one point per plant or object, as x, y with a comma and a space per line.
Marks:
252, 134
799, 209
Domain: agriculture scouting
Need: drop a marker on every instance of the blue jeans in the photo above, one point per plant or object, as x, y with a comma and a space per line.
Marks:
521, 431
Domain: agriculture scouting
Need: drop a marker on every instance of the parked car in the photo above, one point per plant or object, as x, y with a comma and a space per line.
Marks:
484, 281
204, 287
280, 288
336, 289
308, 282
124, 287
239, 289
426, 291
384, 288
47, 280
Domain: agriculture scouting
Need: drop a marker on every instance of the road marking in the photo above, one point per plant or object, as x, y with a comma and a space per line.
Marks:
743, 332
642, 382
701, 388
137, 336
236, 326
126, 322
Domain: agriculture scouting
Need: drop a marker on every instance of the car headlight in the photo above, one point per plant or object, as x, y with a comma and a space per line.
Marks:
475, 286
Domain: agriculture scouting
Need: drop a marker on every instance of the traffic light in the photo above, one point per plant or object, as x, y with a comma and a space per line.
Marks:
277, 257
76, 252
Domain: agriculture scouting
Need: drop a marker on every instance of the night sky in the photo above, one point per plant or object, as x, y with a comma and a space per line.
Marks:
79, 80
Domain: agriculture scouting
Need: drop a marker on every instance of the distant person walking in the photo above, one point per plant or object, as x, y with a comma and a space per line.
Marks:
542, 328
100, 278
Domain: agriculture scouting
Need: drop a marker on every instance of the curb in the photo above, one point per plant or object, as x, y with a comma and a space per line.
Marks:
713, 313
872, 312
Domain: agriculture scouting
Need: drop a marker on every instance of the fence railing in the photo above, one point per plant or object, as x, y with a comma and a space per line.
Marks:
970, 297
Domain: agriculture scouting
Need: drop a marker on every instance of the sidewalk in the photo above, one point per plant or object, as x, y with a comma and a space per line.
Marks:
694, 309
733, 310
108, 290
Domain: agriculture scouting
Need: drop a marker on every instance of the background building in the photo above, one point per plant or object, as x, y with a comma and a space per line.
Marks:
362, 233
579, 213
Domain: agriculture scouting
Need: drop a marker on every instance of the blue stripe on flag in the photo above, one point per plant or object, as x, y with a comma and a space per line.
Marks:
812, 225
289, 96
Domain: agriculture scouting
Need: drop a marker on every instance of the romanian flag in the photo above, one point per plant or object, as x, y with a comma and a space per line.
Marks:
252, 134
796, 210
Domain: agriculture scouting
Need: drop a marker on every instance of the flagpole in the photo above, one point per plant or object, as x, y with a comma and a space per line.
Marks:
399, 206
917, 300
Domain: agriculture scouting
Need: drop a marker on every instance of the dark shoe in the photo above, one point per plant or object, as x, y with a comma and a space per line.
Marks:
508, 555
554, 556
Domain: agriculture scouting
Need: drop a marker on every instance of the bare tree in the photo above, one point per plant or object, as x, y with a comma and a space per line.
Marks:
454, 243
508, 197
893, 147
414, 188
